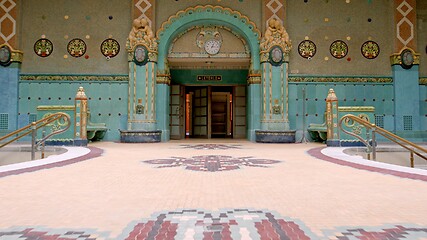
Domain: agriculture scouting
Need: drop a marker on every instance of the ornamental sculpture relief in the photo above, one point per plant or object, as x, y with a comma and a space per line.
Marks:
142, 34
275, 35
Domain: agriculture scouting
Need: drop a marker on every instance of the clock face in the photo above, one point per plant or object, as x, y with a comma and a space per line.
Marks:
212, 46
407, 58
140, 55
276, 55
5, 55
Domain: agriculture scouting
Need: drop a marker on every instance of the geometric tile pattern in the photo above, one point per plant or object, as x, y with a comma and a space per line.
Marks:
142, 10
31, 234
211, 163
225, 224
7, 21
404, 23
211, 146
274, 9
396, 232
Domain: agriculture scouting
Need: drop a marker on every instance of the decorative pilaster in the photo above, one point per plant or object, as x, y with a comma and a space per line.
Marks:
274, 50
333, 138
142, 57
81, 111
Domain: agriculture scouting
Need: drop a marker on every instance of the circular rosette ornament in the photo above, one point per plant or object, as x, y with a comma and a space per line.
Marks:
370, 49
307, 49
76, 47
338, 49
43, 47
110, 48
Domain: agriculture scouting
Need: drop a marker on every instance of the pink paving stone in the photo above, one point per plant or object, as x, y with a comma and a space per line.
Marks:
208, 236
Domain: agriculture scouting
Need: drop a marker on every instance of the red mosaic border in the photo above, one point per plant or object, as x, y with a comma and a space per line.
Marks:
316, 152
94, 152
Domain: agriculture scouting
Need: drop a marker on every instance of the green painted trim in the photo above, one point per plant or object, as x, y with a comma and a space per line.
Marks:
344, 79
73, 77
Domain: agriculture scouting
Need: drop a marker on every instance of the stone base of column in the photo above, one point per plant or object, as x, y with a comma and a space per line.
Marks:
271, 136
140, 136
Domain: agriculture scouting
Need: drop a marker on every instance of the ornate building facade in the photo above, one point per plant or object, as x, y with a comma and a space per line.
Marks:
214, 68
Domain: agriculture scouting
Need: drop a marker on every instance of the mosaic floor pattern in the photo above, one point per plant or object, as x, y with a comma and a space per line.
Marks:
211, 163
222, 225
211, 146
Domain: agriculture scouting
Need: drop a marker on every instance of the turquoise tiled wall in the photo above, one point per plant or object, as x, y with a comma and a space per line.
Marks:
108, 101
379, 95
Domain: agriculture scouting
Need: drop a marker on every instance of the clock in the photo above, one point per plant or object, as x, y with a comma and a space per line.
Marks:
407, 58
140, 55
5, 55
276, 56
212, 46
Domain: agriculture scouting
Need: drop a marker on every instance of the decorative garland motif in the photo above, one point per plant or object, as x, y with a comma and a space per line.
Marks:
370, 49
343, 79
43, 47
338, 49
74, 78
76, 47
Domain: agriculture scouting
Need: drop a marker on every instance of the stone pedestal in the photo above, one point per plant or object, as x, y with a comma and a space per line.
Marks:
140, 136
270, 136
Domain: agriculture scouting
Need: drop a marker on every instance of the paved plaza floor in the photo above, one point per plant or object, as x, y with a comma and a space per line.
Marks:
210, 189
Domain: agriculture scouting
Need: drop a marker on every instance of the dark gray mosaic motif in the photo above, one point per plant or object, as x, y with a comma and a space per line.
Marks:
211, 163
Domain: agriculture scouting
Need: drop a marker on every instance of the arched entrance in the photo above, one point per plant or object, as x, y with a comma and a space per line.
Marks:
207, 75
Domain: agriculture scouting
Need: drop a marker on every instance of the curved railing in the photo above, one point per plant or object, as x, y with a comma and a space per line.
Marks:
61, 118
413, 148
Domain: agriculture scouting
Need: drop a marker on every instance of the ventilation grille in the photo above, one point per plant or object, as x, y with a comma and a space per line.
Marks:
32, 118
407, 123
379, 121
4, 121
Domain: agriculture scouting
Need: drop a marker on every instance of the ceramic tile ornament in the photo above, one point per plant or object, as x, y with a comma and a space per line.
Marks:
110, 47
338, 49
307, 49
76, 47
43, 47
370, 49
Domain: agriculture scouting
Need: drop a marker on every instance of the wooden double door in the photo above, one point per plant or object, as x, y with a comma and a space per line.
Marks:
208, 112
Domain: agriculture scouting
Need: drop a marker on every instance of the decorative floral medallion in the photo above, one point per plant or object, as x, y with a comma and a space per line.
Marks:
211, 146
43, 47
76, 47
307, 49
370, 49
338, 49
211, 163
110, 47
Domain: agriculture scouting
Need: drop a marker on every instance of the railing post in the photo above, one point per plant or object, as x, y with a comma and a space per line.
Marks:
43, 144
412, 158
374, 147
33, 140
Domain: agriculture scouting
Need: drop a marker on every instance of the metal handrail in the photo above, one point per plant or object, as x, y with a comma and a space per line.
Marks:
410, 146
32, 129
